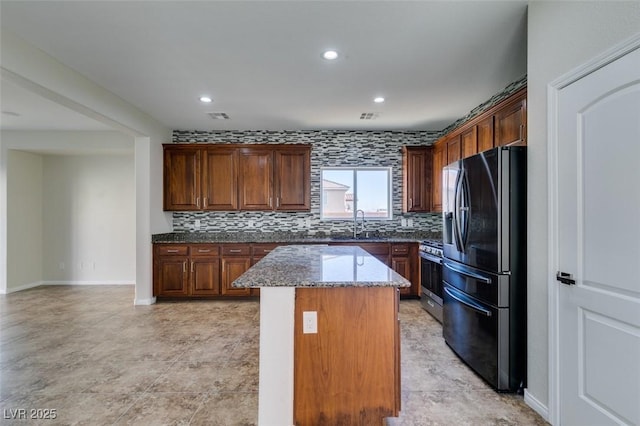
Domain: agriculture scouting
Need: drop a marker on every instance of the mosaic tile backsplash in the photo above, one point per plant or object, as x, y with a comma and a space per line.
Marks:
330, 148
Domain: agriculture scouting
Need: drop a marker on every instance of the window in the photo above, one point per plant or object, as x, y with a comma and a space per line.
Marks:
348, 189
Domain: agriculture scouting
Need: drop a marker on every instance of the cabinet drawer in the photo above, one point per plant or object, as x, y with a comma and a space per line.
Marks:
205, 250
261, 250
171, 250
236, 250
399, 249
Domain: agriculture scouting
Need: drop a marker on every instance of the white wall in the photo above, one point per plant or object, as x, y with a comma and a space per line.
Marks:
31, 68
561, 36
89, 219
24, 214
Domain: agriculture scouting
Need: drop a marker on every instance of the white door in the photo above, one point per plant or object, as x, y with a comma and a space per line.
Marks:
598, 244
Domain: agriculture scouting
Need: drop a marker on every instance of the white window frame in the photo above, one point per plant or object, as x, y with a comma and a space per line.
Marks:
355, 192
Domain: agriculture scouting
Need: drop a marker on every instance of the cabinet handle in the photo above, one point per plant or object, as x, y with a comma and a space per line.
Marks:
172, 250
184, 266
277, 201
270, 201
204, 202
198, 201
266, 251
203, 251
410, 203
235, 251
522, 133
191, 266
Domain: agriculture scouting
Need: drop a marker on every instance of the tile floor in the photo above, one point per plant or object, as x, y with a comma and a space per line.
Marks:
95, 359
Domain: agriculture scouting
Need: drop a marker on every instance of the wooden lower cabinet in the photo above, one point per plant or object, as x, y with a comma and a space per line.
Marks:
232, 268
202, 270
404, 260
171, 276
205, 276
360, 383
199, 270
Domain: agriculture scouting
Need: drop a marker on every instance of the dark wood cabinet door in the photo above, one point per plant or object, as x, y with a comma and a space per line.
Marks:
205, 276
292, 179
485, 134
255, 179
402, 265
181, 178
469, 142
511, 124
417, 178
453, 149
219, 179
439, 153
171, 276
232, 268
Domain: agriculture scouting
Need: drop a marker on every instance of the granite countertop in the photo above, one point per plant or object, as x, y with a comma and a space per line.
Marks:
285, 237
320, 266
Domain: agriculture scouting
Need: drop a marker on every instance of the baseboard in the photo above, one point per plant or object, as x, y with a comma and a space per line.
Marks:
24, 287
536, 405
87, 283
144, 302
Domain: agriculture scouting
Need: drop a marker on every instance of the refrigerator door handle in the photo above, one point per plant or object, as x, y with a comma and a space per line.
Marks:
466, 211
468, 274
468, 303
457, 209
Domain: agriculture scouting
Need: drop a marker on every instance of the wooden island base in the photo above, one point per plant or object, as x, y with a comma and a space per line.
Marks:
349, 372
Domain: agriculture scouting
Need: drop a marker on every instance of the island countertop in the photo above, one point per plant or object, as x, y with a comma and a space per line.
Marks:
320, 266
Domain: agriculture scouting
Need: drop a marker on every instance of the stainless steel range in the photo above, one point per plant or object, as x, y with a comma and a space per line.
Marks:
431, 277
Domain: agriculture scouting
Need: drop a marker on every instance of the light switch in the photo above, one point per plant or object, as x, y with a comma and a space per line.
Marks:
309, 322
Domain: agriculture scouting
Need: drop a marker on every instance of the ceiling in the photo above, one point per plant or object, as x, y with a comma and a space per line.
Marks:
262, 64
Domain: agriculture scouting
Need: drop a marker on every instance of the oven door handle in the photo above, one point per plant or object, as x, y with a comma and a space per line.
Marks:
431, 258
468, 303
468, 274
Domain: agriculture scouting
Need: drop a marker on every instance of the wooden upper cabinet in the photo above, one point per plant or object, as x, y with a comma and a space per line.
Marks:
182, 178
439, 153
255, 176
416, 178
485, 134
237, 177
219, 183
454, 151
469, 141
292, 177
511, 124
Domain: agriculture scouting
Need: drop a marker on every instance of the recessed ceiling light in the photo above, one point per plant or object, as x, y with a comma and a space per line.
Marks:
205, 99
330, 55
378, 100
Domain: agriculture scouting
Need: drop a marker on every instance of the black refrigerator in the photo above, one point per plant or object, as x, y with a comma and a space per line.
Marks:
484, 265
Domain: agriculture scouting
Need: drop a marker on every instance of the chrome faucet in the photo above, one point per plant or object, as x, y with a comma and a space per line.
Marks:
355, 223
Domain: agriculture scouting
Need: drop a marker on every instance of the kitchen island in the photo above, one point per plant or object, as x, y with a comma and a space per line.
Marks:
329, 336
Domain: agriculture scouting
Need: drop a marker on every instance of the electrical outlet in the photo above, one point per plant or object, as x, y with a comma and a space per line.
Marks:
309, 322
410, 223
403, 222
251, 224
197, 224
300, 223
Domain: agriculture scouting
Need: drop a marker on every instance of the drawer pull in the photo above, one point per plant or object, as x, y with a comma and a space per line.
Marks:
204, 251
184, 266
235, 251
172, 250
266, 251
